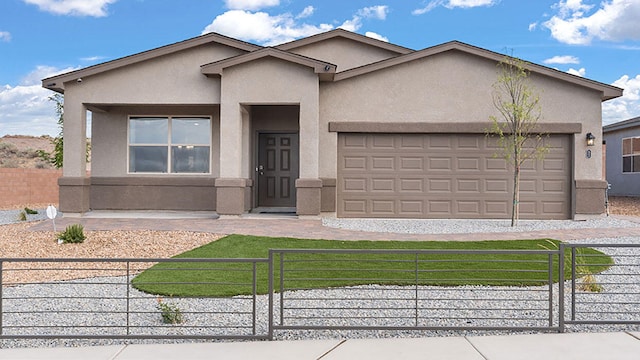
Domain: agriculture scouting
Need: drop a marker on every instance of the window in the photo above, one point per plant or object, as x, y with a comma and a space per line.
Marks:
631, 155
169, 145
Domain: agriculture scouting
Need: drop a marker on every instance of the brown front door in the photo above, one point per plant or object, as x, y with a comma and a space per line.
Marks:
277, 169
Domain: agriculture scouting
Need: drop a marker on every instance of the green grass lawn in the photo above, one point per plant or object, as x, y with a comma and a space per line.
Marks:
321, 270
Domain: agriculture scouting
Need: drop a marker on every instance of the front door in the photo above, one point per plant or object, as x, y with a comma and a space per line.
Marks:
277, 169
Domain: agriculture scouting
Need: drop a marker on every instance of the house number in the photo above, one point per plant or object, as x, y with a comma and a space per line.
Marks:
588, 154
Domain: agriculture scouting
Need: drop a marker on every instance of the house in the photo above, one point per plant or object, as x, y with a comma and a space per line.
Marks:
623, 157
332, 123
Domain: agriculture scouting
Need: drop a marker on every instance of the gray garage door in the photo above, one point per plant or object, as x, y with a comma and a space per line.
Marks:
446, 176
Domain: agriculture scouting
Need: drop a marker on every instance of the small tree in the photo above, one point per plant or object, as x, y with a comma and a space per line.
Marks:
55, 158
519, 107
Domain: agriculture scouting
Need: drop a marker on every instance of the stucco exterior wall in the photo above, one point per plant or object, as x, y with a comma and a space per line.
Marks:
268, 81
622, 184
451, 87
344, 53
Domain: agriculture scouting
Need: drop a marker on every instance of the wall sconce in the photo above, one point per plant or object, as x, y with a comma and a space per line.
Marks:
591, 140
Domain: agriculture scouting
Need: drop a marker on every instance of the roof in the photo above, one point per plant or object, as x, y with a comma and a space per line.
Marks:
324, 69
56, 83
608, 91
622, 125
341, 33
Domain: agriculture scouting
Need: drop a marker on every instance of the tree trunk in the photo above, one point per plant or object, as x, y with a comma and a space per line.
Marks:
515, 212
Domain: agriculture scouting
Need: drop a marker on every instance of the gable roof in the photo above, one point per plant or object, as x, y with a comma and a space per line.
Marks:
608, 91
325, 70
622, 125
56, 83
341, 33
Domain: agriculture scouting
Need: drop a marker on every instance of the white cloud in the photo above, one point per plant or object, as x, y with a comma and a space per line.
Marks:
451, 4
576, 23
250, 4
25, 109
96, 8
580, 72
92, 58
261, 27
306, 12
5, 36
625, 107
533, 26
372, 12
376, 36
565, 59
266, 29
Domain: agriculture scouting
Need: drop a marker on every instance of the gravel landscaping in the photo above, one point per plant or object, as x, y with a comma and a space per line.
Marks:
17, 241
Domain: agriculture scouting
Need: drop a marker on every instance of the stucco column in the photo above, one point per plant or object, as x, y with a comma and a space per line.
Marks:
230, 186
309, 186
74, 184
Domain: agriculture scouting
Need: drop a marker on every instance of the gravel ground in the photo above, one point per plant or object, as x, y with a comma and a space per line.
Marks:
92, 294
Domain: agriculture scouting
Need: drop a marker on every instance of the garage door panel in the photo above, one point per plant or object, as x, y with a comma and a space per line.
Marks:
446, 176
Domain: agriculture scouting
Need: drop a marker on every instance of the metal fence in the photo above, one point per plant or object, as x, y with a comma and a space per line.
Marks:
601, 290
314, 289
412, 290
98, 298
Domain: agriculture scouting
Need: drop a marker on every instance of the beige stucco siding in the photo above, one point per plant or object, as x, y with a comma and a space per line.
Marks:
344, 53
451, 87
267, 81
169, 79
109, 137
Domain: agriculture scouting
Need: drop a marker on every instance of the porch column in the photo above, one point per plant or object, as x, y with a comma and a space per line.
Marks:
309, 186
74, 183
230, 186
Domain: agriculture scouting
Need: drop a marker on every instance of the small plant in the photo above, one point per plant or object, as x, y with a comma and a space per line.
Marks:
72, 234
22, 216
171, 313
588, 284
30, 211
588, 281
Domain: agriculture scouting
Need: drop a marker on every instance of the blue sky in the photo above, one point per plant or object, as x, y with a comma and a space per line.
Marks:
597, 39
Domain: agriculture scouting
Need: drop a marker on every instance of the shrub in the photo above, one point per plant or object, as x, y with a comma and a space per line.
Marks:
22, 216
72, 234
171, 313
30, 211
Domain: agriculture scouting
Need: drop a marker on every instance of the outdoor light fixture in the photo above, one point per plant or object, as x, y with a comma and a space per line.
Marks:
591, 140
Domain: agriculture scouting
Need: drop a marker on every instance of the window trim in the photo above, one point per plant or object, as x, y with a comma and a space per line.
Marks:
632, 155
168, 144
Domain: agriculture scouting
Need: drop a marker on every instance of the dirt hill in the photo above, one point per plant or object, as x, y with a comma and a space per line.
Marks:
19, 151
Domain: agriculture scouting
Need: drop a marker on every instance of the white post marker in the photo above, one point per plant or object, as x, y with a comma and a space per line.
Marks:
51, 214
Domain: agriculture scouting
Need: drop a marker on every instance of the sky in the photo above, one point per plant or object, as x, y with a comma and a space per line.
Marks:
596, 39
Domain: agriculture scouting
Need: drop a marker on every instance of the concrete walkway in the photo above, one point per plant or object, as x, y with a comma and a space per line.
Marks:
582, 346
291, 226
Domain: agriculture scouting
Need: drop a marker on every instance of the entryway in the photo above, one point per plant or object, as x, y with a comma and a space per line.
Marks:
276, 172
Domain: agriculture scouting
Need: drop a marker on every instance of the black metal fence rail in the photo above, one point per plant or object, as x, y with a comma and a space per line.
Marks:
600, 297
98, 300
412, 290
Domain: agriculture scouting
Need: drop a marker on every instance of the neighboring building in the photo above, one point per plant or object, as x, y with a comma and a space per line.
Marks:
335, 122
623, 157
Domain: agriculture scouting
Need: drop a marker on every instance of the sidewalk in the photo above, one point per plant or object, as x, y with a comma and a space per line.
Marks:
578, 346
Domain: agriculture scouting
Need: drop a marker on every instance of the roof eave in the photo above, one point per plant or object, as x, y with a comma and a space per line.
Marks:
56, 83
608, 91
325, 70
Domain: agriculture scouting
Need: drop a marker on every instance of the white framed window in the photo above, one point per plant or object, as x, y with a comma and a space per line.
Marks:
631, 155
169, 144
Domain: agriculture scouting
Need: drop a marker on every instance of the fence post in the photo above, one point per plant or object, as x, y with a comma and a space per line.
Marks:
561, 250
573, 283
270, 311
128, 296
416, 289
255, 290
